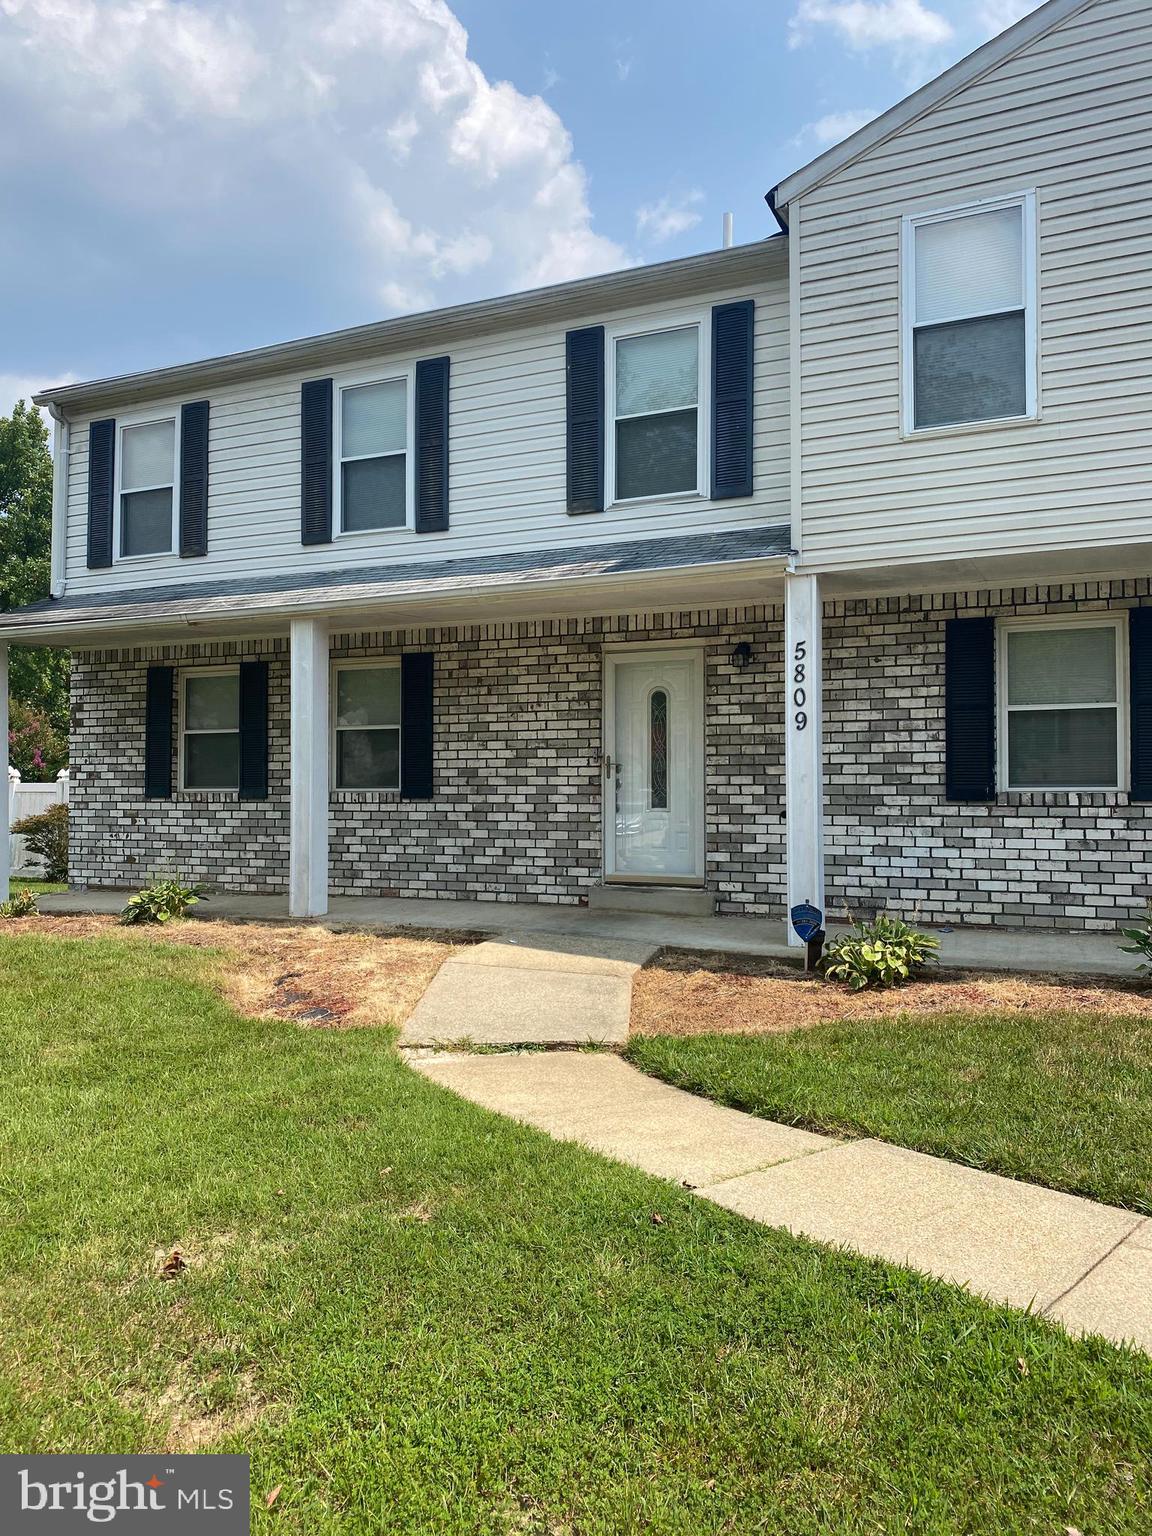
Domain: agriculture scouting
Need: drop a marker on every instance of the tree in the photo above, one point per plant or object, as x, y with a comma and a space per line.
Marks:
39, 678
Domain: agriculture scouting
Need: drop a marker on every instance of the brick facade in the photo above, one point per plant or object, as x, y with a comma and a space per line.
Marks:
1056, 859
516, 814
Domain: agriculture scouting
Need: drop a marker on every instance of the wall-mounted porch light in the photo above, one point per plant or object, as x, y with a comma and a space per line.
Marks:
741, 655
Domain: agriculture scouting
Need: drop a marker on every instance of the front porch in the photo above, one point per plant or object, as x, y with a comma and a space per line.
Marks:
998, 949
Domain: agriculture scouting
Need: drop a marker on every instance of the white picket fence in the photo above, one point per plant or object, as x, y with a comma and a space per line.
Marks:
29, 800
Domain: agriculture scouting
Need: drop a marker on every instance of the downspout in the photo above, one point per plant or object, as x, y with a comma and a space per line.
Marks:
61, 453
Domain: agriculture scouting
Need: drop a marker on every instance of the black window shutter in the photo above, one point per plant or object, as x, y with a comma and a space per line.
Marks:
1140, 695
585, 404
253, 730
431, 409
970, 709
416, 750
193, 479
732, 341
316, 462
101, 491
158, 734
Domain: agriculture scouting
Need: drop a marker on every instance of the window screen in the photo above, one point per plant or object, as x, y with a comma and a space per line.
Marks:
367, 721
1062, 708
657, 413
211, 730
969, 331
147, 480
373, 458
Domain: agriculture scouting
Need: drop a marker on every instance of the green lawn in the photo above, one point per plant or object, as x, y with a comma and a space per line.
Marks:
1063, 1099
420, 1318
41, 887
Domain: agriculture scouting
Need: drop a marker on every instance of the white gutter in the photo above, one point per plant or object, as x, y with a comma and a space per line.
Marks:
61, 452
73, 632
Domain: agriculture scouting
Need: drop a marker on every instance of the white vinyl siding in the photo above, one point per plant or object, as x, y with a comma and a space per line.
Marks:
1071, 117
1061, 687
506, 455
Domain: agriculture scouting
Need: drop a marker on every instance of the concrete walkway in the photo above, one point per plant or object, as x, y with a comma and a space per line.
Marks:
1084, 1265
1007, 949
533, 989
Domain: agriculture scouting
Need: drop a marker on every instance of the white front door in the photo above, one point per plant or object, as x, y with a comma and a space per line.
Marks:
654, 765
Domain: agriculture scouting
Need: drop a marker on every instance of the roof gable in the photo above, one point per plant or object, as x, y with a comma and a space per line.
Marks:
962, 73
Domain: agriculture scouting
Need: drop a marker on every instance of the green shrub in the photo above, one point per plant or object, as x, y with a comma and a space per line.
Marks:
1141, 942
35, 746
882, 953
21, 904
162, 901
47, 835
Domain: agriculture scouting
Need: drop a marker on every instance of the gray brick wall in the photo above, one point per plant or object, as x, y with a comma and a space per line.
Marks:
517, 809
516, 814
1056, 860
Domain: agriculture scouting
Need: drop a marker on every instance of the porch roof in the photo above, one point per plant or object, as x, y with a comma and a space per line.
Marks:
408, 587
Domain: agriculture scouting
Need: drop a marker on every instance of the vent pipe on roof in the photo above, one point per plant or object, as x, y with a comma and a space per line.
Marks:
727, 231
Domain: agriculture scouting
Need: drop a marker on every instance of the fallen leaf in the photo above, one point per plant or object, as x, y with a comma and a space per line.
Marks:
1022, 1365
657, 1219
273, 1496
173, 1264
1072, 1530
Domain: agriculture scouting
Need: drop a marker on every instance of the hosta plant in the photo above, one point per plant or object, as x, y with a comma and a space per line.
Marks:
161, 902
1141, 942
20, 904
883, 953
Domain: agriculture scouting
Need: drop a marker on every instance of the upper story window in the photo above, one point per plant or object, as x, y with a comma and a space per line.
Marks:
210, 729
372, 456
147, 496
969, 318
656, 400
1062, 688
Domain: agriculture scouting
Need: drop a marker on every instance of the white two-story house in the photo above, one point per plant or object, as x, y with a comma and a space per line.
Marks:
815, 569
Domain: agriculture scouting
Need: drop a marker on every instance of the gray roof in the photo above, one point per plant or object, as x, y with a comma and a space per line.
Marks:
662, 281
313, 590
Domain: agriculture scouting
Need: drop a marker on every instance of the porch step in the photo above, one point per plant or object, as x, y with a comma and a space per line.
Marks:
673, 900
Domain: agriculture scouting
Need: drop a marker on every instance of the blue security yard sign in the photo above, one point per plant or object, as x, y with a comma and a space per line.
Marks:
807, 920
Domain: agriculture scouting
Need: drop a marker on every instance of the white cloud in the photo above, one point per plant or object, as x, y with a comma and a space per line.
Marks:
670, 216
354, 144
833, 127
862, 24
16, 386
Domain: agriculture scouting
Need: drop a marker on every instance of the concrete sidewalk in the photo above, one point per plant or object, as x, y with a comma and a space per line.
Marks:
1085, 1265
530, 989
1006, 949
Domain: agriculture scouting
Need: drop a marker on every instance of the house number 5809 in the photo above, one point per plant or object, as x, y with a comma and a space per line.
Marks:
799, 690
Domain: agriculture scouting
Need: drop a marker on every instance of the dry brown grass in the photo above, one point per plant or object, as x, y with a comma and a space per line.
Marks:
683, 993
328, 978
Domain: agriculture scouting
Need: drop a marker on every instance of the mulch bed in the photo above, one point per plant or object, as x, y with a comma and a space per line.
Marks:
322, 977
680, 992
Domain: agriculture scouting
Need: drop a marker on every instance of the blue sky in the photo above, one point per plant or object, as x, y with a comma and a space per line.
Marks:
180, 178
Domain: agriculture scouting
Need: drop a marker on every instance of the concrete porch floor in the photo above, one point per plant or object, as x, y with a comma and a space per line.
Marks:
1005, 949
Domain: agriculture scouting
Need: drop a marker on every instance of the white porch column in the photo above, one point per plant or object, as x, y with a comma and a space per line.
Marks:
803, 743
5, 792
308, 728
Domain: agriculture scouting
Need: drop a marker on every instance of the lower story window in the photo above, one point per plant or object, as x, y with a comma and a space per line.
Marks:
367, 727
1062, 718
210, 730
